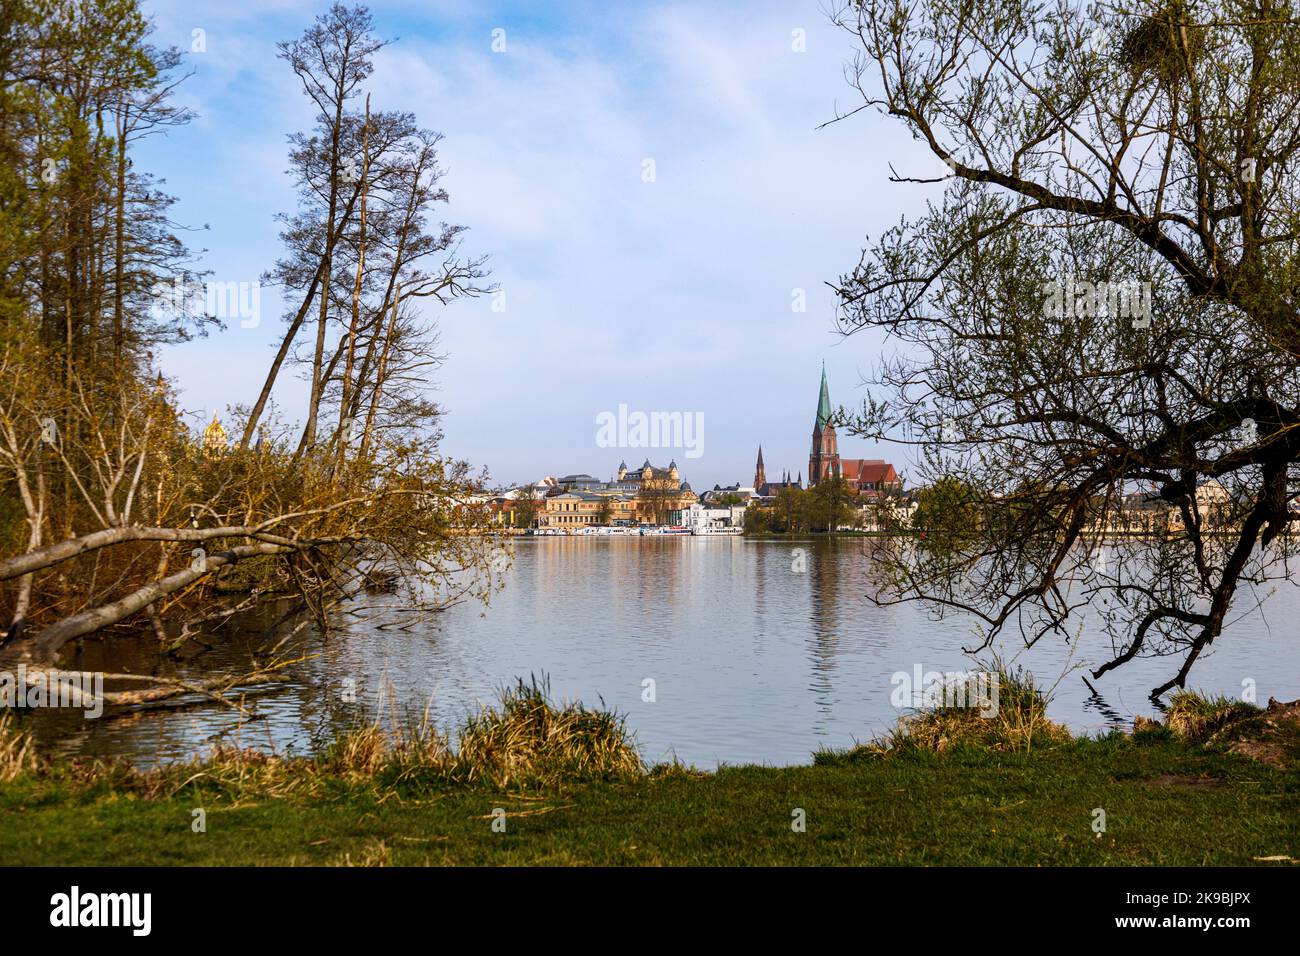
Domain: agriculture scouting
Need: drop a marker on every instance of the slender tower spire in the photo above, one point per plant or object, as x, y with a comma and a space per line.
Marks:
760, 476
823, 401
824, 459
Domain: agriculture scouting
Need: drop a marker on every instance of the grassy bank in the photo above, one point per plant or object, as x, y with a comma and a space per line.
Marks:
530, 783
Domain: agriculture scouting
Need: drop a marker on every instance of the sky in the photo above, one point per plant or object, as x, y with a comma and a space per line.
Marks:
676, 294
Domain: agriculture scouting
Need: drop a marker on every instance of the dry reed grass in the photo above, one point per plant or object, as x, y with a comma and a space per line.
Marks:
526, 741
16, 754
1020, 722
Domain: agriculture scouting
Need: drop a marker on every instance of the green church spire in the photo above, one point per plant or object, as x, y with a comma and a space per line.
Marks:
824, 401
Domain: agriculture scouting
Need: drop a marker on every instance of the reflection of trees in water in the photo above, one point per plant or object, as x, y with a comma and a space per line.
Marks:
872, 564
1096, 703
760, 684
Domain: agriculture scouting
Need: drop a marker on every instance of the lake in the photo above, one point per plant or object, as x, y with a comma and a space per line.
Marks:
751, 661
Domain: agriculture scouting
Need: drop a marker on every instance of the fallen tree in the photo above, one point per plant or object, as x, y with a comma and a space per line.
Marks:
116, 517
177, 517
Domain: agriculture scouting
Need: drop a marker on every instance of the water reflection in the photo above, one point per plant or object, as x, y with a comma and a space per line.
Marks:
753, 659
1096, 703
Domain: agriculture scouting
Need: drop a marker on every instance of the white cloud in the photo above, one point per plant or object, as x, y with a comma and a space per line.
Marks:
658, 294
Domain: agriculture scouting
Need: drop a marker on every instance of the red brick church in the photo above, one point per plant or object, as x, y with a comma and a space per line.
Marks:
824, 461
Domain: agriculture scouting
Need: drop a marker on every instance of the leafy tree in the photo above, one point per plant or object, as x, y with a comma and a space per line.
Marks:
790, 510
84, 236
829, 505
947, 515
528, 504
759, 520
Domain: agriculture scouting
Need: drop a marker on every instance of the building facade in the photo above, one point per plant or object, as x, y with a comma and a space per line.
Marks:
572, 510
871, 476
645, 496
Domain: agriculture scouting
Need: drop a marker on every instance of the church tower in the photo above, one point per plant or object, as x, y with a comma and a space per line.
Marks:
760, 476
824, 459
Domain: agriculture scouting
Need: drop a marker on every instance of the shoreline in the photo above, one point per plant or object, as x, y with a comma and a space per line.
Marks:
1165, 806
1215, 785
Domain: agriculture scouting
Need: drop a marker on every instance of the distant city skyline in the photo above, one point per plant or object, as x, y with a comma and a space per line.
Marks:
681, 293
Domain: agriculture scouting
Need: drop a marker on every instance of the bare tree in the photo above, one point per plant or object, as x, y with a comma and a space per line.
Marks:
113, 516
361, 246
331, 59
1101, 304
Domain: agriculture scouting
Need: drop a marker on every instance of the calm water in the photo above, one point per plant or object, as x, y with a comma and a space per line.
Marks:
751, 662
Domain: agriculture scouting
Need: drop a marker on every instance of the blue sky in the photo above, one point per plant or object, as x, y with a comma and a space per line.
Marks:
672, 295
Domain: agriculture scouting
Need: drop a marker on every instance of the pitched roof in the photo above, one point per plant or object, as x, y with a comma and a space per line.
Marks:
772, 487
867, 469
655, 471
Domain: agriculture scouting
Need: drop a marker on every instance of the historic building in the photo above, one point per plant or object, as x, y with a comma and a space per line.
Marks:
648, 477
579, 482
571, 510
869, 475
214, 438
646, 495
824, 459
723, 494
769, 488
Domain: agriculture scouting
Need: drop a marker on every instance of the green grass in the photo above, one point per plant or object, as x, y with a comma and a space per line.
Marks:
945, 788
1166, 803
1199, 718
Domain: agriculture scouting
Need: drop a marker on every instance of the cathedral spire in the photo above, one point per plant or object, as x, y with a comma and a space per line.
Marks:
823, 401
760, 475
824, 459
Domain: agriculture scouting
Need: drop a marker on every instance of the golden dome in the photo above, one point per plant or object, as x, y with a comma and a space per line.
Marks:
214, 436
